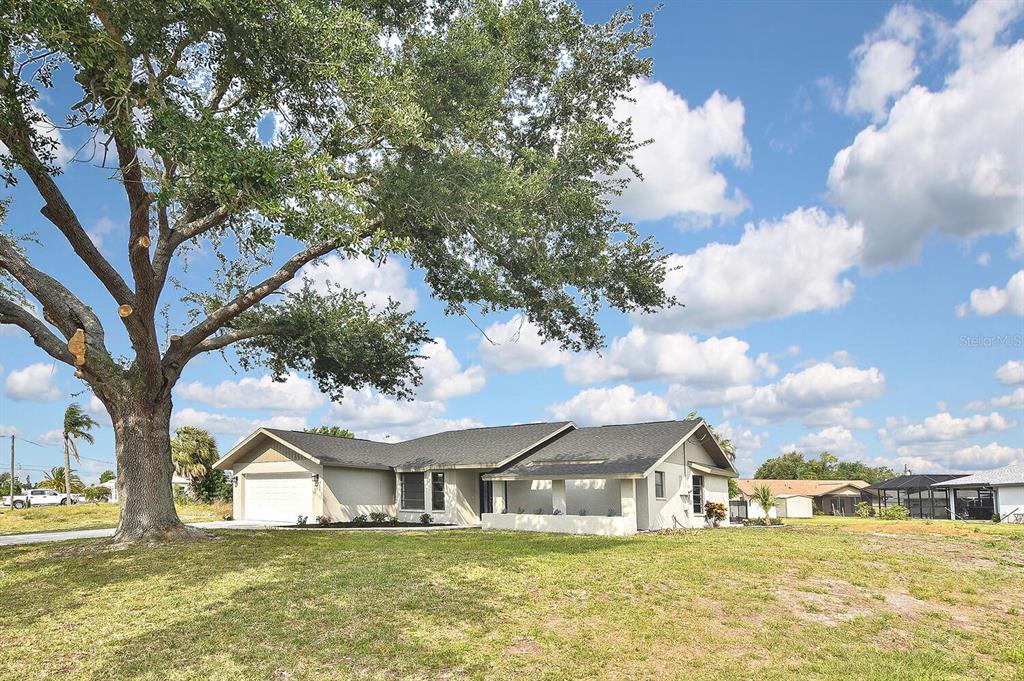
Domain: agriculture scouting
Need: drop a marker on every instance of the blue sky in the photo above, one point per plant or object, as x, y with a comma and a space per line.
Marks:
843, 186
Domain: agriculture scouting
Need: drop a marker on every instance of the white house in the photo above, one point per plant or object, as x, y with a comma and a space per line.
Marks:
539, 476
1007, 489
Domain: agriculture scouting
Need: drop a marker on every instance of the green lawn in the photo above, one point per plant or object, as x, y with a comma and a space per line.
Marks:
89, 517
816, 600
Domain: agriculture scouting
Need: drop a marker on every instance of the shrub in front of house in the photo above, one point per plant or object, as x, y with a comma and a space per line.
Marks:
301, 520
557, 511
714, 513
894, 513
360, 520
323, 520
864, 509
378, 516
425, 519
393, 520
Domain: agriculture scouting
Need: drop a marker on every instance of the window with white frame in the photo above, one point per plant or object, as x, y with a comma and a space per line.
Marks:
437, 491
412, 491
698, 494
659, 484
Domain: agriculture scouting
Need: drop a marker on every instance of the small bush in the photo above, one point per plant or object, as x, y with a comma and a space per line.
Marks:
894, 513
762, 521
95, 494
378, 516
301, 520
714, 513
359, 520
393, 520
557, 511
995, 516
864, 509
323, 520
425, 519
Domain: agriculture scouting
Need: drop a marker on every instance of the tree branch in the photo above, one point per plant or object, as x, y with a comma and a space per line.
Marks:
225, 339
18, 138
60, 306
12, 313
183, 348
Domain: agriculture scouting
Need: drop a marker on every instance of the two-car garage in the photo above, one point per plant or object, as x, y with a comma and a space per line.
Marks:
277, 496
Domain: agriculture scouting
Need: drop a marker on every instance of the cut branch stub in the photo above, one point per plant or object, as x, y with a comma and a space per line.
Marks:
125, 310
76, 345
144, 241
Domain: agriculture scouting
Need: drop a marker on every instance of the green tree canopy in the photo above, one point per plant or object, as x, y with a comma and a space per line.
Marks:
335, 431
106, 476
793, 466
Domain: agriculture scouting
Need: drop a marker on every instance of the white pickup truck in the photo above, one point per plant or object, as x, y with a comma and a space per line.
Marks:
40, 497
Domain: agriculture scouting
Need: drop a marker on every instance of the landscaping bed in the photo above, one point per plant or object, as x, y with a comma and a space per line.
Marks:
370, 523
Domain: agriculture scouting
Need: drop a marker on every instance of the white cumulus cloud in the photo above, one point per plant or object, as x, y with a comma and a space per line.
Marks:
680, 167
443, 375
222, 424
941, 427
620, 404
777, 269
820, 394
993, 300
380, 281
642, 355
35, 383
294, 394
1011, 373
948, 160
516, 345
837, 440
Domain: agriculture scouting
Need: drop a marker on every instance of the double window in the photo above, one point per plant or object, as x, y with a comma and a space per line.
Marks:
659, 484
412, 491
698, 494
437, 491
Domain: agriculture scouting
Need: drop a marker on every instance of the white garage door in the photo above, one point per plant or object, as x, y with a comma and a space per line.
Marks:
278, 497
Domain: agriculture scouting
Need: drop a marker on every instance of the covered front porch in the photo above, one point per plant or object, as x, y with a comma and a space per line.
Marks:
603, 506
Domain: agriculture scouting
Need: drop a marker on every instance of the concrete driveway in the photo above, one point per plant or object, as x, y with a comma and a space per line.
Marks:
39, 537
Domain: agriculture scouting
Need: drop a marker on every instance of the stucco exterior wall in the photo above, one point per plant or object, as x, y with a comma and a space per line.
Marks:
461, 498
795, 507
1010, 498
564, 524
268, 456
676, 510
349, 492
595, 496
754, 510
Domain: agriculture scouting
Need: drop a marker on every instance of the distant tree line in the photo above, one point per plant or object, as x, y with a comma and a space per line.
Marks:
793, 466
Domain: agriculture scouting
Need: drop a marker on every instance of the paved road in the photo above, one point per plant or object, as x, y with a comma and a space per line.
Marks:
39, 537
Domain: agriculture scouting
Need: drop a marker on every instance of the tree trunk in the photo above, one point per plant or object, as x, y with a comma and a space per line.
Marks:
67, 472
144, 471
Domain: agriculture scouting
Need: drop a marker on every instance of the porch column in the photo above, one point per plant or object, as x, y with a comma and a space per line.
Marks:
498, 500
558, 496
627, 501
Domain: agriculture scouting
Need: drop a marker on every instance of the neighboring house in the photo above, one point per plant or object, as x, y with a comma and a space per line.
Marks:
800, 498
112, 486
1004, 486
928, 496
605, 480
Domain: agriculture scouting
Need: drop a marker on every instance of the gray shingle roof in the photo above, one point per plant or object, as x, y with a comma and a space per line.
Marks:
625, 450
1007, 475
340, 450
483, 447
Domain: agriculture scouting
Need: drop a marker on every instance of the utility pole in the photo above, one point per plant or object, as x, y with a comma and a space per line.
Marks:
12, 472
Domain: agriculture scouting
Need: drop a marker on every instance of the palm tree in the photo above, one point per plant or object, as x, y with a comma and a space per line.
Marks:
77, 425
193, 451
766, 500
56, 479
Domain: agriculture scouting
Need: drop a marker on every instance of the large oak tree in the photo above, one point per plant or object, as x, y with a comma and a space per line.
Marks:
475, 139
